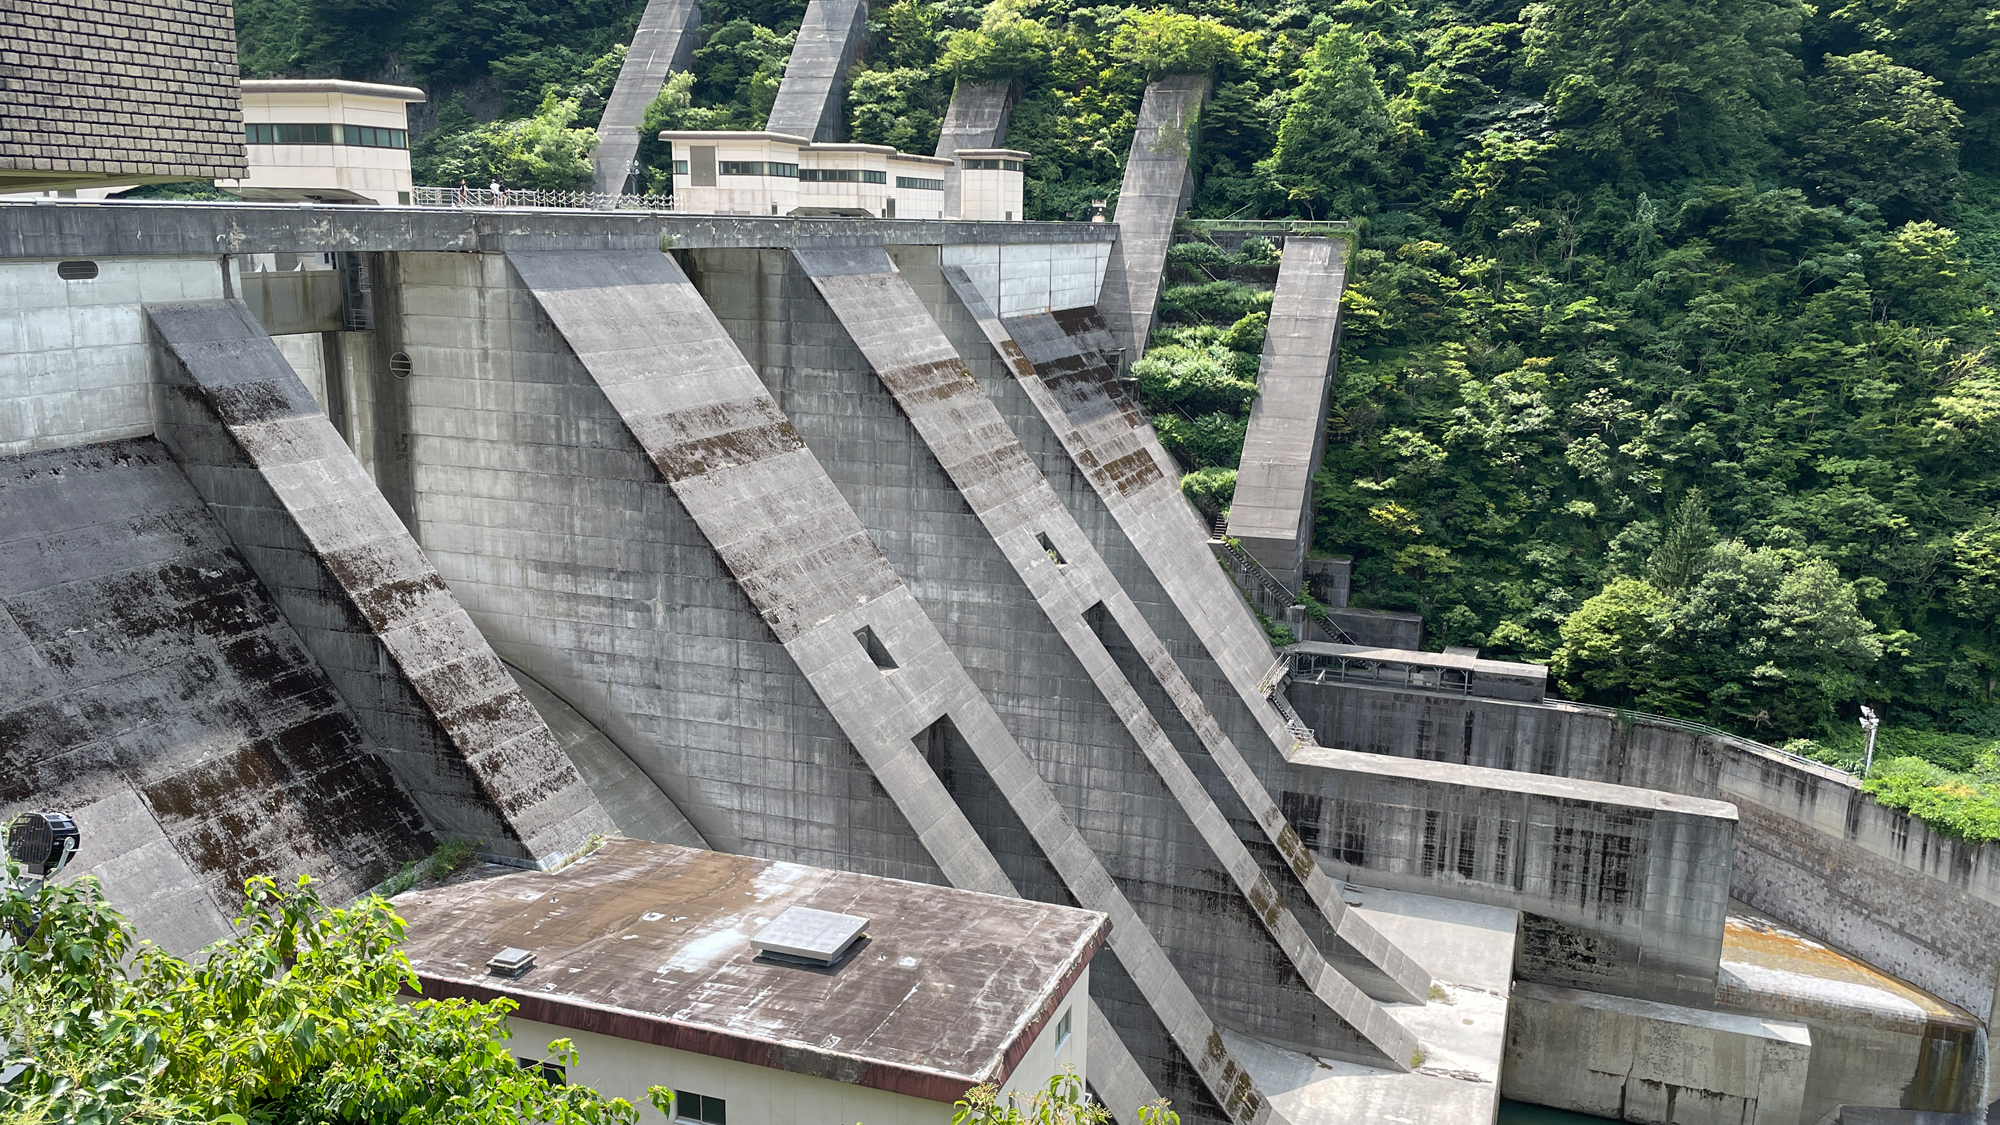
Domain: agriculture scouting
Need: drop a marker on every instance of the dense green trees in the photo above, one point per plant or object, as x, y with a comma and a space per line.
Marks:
1609, 253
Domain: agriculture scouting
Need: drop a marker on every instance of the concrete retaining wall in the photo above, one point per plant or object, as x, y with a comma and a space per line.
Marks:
1622, 890
1633, 1060
1812, 849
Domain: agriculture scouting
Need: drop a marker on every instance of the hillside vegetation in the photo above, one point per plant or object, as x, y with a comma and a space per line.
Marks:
1669, 345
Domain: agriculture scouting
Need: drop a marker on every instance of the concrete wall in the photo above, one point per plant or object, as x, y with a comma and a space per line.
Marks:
73, 353
1622, 890
1021, 278
1634, 1060
977, 118
1812, 848
433, 698
811, 100
150, 685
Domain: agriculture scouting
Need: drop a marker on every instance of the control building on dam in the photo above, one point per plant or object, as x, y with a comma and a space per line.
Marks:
330, 533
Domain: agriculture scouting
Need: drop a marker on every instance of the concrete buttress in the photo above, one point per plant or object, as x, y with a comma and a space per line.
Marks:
453, 726
977, 118
1159, 178
1271, 513
811, 99
720, 441
663, 43
911, 356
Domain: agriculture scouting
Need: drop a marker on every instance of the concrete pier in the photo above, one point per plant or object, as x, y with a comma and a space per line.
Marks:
663, 43
811, 99
1271, 513
977, 118
1159, 180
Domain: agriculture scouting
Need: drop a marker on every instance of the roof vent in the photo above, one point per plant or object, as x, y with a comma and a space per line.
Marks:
511, 962
804, 936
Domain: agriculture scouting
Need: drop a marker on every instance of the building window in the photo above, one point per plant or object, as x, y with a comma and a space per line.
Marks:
365, 136
919, 184
758, 168
699, 1109
551, 1073
1062, 1031
680, 167
289, 134
983, 165
842, 176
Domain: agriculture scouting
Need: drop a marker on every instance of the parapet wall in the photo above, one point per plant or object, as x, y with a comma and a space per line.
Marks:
1622, 890
1812, 848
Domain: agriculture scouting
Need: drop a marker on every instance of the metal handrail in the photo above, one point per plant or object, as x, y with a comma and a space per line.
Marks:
471, 197
1317, 614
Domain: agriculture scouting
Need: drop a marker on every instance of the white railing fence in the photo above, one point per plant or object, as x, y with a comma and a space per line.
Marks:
472, 197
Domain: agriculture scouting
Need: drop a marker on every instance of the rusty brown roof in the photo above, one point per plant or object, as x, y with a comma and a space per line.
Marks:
651, 942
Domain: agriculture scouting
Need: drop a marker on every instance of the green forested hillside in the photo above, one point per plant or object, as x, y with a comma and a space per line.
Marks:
1669, 348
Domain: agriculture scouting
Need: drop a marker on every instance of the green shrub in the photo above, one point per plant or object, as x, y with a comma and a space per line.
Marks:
1953, 804
1213, 302
1191, 263
1210, 489
1204, 441
1247, 335
1167, 42
1192, 380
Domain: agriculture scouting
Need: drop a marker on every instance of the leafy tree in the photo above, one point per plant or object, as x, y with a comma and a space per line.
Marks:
296, 1020
1612, 643
894, 107
1336, 142
1668, 86
1062, 1102
1008, 43
543, 152
1882, 135
1210, 490
1162, 41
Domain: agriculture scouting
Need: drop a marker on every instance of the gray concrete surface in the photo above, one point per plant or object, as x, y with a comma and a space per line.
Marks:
805, 561
977, 118
433, 698
1622, 890
1159, 180
1636, 1060
963, 430
1271, 512
664, 42
812, 98
150, 685
635, 804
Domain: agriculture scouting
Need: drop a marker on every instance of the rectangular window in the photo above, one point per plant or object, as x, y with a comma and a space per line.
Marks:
1011, 165
367, 136
1062, 1031
842, 176
758, 168
919, 184
702, 158
983, 165
699, 1109
288, 134
869, 176
680, 167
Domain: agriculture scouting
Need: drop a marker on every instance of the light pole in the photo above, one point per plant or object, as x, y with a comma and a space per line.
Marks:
1870, 721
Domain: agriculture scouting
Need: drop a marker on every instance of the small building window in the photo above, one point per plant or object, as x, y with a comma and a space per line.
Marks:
551, 1073
1062, 1030
981, 164
758, 168
703, 156
680, 167
699, 1109
365, 136
274, 134
916, 184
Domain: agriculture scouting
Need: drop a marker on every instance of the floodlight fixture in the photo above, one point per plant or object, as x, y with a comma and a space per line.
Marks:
43, 843
1870, 722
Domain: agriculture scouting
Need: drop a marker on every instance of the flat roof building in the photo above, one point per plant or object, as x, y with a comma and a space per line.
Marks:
992, 183
763, 173
664, 966
97, 95
326, 140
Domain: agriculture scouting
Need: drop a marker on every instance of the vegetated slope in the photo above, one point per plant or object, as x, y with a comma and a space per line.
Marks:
1669, 355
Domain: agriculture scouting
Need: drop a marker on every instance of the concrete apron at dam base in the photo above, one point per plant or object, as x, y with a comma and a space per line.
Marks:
845, 542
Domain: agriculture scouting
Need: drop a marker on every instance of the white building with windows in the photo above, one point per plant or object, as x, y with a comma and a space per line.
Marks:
766, 993
326, 140
991, 183
744, 173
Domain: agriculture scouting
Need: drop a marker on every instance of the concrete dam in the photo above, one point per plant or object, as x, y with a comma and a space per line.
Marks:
327, 534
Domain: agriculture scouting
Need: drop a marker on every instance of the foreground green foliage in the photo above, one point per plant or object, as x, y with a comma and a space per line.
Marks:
1062, 1102
295, 1022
